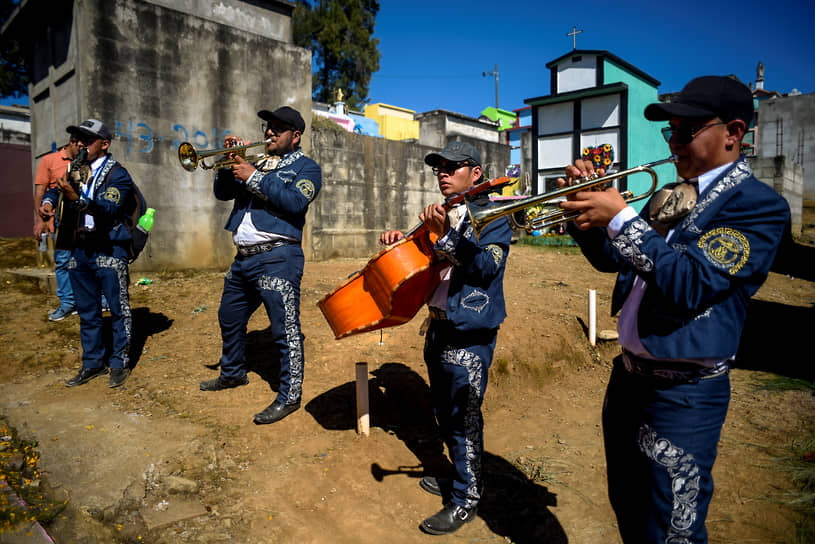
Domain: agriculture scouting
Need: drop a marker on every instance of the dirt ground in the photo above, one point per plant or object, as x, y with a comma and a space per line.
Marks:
159, 461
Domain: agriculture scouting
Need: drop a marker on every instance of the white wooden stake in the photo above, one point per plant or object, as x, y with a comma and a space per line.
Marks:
592, 317
363, 416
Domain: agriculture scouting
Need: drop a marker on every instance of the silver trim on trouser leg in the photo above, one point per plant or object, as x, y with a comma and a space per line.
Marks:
293, 337
684, 475
472, 431
122, 273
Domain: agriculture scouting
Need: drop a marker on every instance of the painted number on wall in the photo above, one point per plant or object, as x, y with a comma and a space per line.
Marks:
139, 137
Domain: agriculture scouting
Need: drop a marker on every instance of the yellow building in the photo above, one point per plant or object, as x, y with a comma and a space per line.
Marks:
394, 123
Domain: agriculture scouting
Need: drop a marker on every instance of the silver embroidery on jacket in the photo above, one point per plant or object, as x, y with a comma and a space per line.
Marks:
684, 475
629, 243
473, 443
293, 338
734, 178
496, 252
254, 181
476, 300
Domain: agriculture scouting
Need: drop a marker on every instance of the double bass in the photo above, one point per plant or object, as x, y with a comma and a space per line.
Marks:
395, 283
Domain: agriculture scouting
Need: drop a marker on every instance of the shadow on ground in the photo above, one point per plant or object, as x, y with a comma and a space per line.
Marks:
776, 339
145, 325
262, 357
513, 506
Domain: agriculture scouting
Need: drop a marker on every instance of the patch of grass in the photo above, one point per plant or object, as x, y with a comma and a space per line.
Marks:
800, 464
318, 122
775, 382
500, 367
539, 469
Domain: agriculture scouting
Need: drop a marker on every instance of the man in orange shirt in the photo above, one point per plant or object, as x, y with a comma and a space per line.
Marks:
52, 167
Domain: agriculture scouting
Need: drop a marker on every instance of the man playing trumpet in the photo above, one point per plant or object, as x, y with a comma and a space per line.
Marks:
683, 285
269, 211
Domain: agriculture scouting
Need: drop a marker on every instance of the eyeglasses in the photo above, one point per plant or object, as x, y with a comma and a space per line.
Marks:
86, 139
275, 128
685, 133
449, 167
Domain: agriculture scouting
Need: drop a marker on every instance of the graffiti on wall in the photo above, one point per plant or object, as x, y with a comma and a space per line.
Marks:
140, 137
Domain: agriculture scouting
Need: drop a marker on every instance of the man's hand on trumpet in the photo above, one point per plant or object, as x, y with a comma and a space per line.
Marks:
597, 207
242, 169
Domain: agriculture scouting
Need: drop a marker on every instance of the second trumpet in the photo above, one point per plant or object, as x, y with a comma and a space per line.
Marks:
190, 158
553, 214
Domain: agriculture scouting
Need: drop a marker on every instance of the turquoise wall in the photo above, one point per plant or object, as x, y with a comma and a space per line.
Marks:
645, 142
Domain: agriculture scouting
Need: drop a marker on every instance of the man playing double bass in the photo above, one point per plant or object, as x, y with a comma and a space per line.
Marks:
465, 312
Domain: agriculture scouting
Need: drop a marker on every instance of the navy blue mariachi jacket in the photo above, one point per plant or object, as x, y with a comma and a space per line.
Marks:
110, 206
700, 281
475, 300
282, 195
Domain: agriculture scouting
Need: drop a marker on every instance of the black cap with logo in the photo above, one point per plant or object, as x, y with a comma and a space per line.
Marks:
707, 97
287, 115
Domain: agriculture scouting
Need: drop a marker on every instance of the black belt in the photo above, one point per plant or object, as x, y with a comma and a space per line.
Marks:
672, 371
254, 249
437, 313
87, 238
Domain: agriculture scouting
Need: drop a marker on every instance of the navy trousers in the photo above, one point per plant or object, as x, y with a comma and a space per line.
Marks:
94, 274
660, 441
458, 366
272, 278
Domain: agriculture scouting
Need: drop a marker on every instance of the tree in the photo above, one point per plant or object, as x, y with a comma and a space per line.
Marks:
13, 73
344, 53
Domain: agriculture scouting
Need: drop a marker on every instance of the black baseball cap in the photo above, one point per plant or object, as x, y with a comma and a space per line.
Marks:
455, 152
90, 127
706, 97
287, 115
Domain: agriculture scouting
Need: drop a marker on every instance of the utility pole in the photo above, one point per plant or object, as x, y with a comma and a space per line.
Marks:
493, 73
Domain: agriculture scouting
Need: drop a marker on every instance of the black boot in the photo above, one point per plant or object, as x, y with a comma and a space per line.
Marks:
448, 520
275, 412
85, 375
431, 484
219, 384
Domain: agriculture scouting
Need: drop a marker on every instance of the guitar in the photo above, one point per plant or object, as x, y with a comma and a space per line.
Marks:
67, 216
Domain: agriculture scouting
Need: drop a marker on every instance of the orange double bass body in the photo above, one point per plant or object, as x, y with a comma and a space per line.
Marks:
394, 284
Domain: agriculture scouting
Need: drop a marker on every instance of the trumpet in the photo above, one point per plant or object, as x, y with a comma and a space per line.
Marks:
190, 158
483, 214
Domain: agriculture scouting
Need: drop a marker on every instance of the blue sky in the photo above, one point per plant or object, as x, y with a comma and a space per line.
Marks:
433, 53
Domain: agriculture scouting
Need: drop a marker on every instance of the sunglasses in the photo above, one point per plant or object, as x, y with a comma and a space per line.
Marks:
275, 128
86, 139
686, 133
449, 167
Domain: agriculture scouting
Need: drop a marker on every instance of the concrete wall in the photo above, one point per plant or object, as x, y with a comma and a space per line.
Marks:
787, 178
371, 185
785, 128
158, 76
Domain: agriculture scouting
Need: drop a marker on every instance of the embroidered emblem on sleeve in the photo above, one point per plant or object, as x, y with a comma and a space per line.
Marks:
725, 248
112, 194
306, 187
496, 252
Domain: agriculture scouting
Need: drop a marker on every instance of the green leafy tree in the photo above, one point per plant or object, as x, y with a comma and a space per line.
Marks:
13, 74
339, 34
